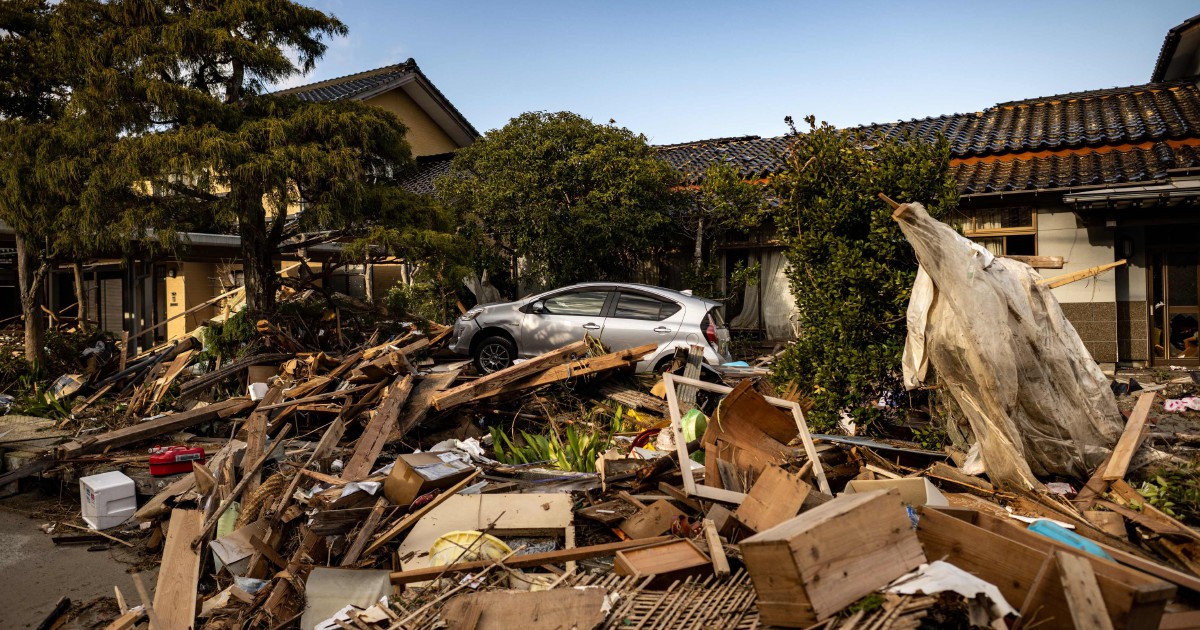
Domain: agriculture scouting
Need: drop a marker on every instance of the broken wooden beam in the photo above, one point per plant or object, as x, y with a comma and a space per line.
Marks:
492, 382
1118, 463
526, 561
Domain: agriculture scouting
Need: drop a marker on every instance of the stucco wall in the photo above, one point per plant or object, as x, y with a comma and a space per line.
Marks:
424, 135
1091, 304
191, 285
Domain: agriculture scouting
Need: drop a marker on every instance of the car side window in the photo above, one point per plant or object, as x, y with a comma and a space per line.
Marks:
586, 303
637, 306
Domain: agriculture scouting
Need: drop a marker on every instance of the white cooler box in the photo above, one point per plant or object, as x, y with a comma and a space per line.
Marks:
108, 499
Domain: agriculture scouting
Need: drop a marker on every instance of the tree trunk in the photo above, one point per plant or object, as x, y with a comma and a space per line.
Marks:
698, 253
29, 280
258, 269
81, 296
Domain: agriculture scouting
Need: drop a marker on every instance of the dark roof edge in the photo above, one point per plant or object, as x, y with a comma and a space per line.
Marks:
1170, 42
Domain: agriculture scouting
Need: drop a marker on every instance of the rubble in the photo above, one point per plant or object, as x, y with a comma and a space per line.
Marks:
359, 478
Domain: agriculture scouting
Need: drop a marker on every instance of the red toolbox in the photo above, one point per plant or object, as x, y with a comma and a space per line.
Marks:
169, 460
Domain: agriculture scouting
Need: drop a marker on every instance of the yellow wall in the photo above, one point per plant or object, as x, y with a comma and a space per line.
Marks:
191, 285
424, 135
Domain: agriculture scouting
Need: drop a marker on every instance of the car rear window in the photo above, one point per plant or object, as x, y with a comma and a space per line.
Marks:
587, 303
637, 306
717, 320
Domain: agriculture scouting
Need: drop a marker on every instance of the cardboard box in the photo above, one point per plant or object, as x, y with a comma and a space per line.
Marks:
810, 567
418, 473
913, 490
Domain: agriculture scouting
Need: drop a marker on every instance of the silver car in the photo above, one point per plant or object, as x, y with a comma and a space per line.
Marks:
619, 315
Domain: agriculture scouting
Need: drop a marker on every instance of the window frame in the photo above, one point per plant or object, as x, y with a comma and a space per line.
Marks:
1003, 233
657, 298
604, 305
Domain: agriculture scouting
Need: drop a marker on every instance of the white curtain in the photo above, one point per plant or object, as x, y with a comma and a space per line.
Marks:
769, 304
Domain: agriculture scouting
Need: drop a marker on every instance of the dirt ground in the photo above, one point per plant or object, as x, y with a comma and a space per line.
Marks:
35, 573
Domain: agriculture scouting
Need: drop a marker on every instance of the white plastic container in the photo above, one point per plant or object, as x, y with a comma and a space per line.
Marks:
108, 499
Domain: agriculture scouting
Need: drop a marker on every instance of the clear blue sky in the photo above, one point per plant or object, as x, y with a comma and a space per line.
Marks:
682, 71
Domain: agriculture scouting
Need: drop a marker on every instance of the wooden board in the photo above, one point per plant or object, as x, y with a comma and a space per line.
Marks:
1118, 463
370, 444
482, 386
676, 558
557, 609
524, 561
1011, 558
179, 575
774, 498
652, 520
421, 401
153, 428
1083, 593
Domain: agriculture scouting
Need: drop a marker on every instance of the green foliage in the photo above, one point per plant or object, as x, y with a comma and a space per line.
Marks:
42, 405
851, 269
1176, 491
724, 203
932, 437
574, 199
229, 339
577, 450
421, 300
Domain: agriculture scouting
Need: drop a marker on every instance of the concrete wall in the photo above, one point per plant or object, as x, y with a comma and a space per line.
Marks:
1090, 305
424, 135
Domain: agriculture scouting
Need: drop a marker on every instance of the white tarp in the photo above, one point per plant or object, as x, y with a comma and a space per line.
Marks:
1001, 346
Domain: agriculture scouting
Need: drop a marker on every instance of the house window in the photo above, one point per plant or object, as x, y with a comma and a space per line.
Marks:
1003, 231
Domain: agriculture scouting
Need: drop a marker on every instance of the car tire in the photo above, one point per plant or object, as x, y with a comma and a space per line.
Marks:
493, 354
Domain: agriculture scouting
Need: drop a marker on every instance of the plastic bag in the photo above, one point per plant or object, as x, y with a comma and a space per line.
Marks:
1002, 347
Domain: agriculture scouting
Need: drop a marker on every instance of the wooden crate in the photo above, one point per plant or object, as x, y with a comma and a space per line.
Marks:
670, 561
812, 566
1010, 557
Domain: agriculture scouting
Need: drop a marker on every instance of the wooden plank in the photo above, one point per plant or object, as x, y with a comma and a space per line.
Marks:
651, 520
370, 444
127, 620
365, 533
317, 397
526, 561
256, 435
412, 518
577, 369
1118, 463
421, 401
557, 609
716, 550
153, 428
775, 497
326, 444
470, 391
1039, 262
173, 370
179, 574
1082, 592
1068, 278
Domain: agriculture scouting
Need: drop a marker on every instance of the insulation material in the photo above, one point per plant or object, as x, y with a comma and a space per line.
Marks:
1002, 347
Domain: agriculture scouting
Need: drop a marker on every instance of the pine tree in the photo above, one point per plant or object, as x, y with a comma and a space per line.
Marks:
212, 144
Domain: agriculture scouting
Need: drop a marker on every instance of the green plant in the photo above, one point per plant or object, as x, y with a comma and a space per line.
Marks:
931, 438
227, 340
43, 405
851, 269
578, 453
1176, 491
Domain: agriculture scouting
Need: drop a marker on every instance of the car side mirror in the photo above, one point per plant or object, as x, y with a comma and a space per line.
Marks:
537, 307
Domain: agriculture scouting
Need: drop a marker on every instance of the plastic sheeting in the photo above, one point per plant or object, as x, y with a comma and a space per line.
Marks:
1035, 399
770, 303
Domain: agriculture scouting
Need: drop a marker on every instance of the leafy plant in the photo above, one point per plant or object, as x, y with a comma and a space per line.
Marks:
578, 453
851, 269
228, 339
931, 438
43, 405
1176, 491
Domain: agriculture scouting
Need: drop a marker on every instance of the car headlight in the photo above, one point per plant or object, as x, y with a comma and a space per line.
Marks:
470, 315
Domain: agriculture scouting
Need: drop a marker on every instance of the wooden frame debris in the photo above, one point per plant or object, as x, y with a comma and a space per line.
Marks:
716, 494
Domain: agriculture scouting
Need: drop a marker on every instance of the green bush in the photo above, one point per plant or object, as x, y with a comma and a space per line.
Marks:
229, 339
851, 268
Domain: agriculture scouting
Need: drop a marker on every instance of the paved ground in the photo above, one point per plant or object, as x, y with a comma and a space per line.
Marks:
35, 573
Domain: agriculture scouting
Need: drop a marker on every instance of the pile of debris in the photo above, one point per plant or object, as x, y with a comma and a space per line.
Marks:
383, 485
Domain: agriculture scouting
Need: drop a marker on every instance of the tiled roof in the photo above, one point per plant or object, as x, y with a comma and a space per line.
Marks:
1170, 44
369, 83
1072, 170
1010, 133
1140, 113
429, 168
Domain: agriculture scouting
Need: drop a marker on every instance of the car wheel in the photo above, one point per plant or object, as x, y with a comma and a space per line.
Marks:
493, 354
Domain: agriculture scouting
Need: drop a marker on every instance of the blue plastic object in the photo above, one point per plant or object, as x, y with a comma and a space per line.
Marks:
736, 364
1067, 537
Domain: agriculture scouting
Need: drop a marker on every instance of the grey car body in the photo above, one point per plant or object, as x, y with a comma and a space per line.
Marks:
619, 315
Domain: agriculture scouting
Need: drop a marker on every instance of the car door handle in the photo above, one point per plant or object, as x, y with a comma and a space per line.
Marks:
662, 330
591, 326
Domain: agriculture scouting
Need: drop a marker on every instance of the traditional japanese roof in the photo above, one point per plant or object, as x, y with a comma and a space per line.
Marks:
1097, 137
429, 168
1171, 48
364, 85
